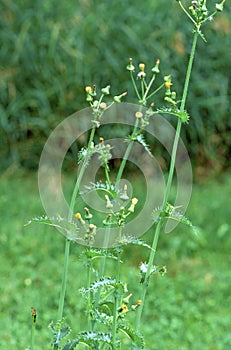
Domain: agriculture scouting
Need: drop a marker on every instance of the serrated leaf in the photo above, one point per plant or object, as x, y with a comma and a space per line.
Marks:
141, 140
110, 189
135, 241
136, 337
172, 213
184, 116
103, 282
94, 254
69, 229
90, 339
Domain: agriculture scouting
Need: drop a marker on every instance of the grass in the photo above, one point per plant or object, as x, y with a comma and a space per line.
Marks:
186, 309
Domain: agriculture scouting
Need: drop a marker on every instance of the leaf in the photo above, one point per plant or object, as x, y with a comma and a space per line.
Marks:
110, 189
184, 116
90, 339
141, 140
94, 254
103, 282
135, 241
170, 212
70, 229
59, 331
136, 337
102, 317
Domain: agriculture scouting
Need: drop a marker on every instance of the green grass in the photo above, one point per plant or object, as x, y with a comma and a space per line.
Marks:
186, 309
53, 50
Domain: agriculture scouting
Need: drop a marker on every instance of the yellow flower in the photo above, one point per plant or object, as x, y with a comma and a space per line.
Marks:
141, 66
78, 216
88, 89
139, 115
123, 308
168, 84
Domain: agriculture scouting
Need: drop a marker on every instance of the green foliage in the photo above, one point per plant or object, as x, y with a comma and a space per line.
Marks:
186, 315
51, 51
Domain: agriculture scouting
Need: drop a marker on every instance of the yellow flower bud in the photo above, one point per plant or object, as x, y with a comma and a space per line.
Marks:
88, 89
139, 115
134, 201
142, 66
168, 84
102, 105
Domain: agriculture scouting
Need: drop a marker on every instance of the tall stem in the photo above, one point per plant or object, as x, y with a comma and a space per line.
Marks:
126, 155
68, 242
169, 182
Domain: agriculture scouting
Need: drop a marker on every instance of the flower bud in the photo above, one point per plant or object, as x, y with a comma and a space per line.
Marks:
79, 217
133, 204
124, 195
219, 7
103, 105
139, 115
117, 99
106, 90
126, 300
109, 204
88, 215
130, 66
88, 89
142, 66
155, 69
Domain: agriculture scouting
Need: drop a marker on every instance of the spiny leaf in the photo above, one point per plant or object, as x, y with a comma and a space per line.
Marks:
136, 337
110, 189
94, 254
90, 339
184, 116
103, 282
70, 229
141, 140
135, 241
59, 331
102, 317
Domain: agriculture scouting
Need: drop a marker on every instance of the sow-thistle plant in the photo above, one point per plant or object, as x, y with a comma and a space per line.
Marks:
108, 300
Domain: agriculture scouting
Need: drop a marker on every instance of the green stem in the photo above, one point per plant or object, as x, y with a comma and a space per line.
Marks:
32, 334
114, 324
70, 215
64, 280
126, 155
135, 87
169, 183
116, 299
89, 323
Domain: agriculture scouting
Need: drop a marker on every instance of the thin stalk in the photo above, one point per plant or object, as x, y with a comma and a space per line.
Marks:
135, 87
64, 280
126, 155
114, 324
89, 323
144, 97
68, 242
32, 334
116, 300
169, 182
106, 167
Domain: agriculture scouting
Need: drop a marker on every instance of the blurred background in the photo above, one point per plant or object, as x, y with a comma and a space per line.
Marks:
49, 51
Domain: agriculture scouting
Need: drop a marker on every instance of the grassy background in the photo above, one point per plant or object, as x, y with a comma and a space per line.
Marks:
187, 309
51, 51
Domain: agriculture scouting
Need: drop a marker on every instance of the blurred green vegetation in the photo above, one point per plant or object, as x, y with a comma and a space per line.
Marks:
186, 309
50, 50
